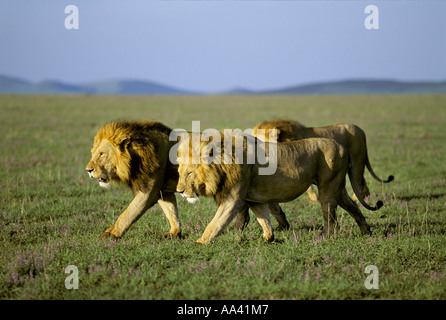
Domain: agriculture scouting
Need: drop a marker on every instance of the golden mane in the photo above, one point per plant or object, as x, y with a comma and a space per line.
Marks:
135, 142
287, 130
216, 179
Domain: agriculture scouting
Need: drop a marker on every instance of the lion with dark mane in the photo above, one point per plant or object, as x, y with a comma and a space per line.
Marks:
235, 186
135, 153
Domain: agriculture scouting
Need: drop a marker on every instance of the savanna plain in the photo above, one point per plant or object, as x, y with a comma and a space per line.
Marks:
52, 214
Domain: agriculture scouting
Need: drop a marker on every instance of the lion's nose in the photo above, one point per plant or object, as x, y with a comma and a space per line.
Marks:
89, 171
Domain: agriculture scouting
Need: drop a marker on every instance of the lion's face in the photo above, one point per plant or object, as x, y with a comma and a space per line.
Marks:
197, 174
190, 184
102, 165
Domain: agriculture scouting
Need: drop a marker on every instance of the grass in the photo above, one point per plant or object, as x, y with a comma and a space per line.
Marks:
51, 214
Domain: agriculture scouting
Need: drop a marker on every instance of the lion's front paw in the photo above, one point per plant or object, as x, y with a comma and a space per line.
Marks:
201, 241
170, 235
110, 233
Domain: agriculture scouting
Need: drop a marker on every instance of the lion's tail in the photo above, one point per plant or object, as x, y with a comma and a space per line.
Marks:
352, 177
369, 166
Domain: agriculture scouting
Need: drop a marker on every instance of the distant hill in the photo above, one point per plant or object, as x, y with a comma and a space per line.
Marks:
15, 85
356, 87
133, 87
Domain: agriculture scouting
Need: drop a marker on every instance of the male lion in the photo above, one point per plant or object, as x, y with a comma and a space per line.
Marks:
348, 134
136, 154
236, 185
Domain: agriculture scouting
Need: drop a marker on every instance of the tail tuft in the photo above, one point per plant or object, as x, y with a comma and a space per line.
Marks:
379, 204
390, 178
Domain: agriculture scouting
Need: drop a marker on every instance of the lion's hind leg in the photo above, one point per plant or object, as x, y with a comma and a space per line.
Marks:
329, 204
362, 184
352, 208
261, 211
241, 220
329, 212
279, 215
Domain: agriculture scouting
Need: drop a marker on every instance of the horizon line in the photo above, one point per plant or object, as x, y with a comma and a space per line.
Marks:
229, 90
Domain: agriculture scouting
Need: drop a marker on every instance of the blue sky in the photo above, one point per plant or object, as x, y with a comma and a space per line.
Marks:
217, 45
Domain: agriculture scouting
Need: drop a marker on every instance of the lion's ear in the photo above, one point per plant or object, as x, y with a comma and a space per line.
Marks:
124, 144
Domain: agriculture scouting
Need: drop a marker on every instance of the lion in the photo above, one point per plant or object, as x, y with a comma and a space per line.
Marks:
135, 153
237, 185
350, 135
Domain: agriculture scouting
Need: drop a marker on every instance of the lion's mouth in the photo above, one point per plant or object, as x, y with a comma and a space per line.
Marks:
190, 198
100, 179
104, 182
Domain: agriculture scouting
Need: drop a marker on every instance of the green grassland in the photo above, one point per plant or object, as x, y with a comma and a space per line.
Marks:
52, 214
